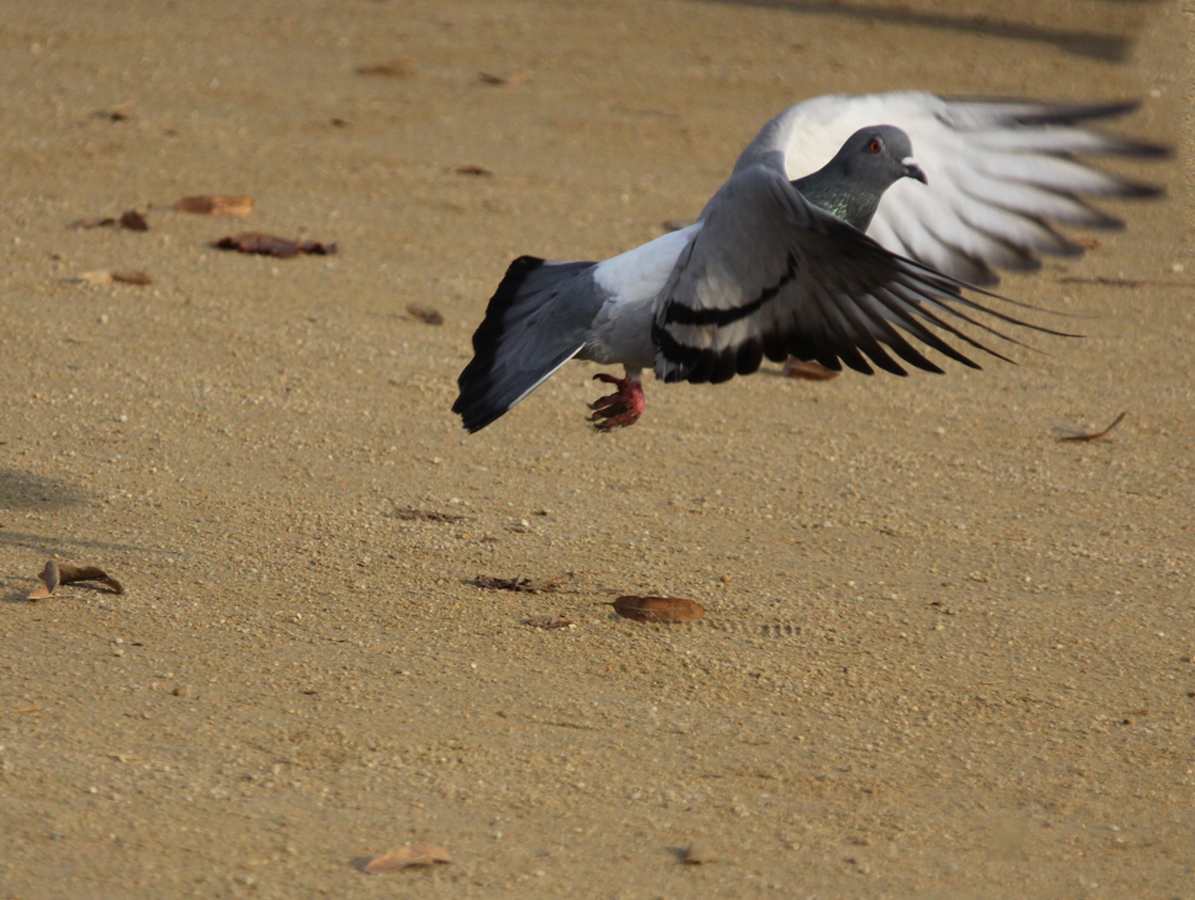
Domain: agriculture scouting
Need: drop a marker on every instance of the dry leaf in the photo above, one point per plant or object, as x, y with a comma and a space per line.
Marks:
658, 609
409, 855
120, 113
93, 222
1098, 434
107, 276
215, 205
512, 78
130, 277
272, 245
810, 371
520, 584
133, 221
410, 515
1086, 241
56, 573
473, 170
548, 622
394, 68
425, 313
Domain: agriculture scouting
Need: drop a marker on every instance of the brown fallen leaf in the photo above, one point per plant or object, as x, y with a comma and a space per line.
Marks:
392, 68
1098, 434
810, 371
125, 276
520, 584
473, 170
272, 245
512, 78
215, 205
107, 276
658, 609
133, 221
408, 855
93, 222
56, 573
425, 313
548, 622
422, 515
119, 114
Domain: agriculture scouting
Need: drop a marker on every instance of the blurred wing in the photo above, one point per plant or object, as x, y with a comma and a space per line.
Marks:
1000, 174
771, 275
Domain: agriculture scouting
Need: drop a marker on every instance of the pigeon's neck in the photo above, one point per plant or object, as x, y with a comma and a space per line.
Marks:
831, 192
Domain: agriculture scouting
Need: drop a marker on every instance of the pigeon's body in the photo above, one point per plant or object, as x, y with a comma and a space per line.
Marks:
766, 271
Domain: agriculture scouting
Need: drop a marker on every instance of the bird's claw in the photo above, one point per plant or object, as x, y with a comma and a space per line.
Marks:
620, 409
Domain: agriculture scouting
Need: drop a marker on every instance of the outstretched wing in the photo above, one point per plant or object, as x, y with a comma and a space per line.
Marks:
769, 274
1001, 174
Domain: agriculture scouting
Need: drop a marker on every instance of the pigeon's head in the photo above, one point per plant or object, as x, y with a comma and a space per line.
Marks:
877, 157
851, 184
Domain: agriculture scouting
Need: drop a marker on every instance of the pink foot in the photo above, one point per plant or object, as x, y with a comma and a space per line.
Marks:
619, 409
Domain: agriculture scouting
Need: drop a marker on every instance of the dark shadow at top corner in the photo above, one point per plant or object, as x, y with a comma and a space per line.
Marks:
1093, 44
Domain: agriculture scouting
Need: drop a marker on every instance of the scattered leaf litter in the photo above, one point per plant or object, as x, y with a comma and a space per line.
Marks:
271, 245
215, 205
407, 856
55, 574
425, 314
1097, 435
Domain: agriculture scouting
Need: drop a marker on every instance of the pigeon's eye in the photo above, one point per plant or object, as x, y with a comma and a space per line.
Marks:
875, 146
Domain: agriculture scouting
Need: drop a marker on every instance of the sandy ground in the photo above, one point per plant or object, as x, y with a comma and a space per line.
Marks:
946, 655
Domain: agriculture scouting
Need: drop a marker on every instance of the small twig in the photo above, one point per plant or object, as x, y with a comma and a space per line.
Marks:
1126, 282
1098, 434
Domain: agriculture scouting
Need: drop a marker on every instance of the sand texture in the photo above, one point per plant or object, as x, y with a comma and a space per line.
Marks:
945, 654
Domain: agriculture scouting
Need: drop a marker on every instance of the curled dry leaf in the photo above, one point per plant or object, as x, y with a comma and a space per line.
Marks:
215, 205
93, 222
130, 219
107, 276
408, 855
425, 313
473, 170
119, 114
548, 622
422, 515
658, 609
133, 221
810, 371
522, 585
392, 68
129, 276
272, 245
1098, 434
512, 78
56, 573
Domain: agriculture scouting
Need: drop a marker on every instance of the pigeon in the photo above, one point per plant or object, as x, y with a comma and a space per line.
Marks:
837, 266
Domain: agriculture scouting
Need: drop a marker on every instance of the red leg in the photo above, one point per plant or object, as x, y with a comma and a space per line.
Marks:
622, 408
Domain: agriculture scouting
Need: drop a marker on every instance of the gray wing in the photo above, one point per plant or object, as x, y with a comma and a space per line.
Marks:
1001, 174
537, 320
771, 275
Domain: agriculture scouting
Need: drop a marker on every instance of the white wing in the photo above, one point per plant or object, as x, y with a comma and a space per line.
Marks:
999, 174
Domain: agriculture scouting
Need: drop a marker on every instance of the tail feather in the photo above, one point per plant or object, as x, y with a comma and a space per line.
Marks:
536, 321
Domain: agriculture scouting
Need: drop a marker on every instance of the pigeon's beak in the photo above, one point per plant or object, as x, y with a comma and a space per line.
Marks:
912, 170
